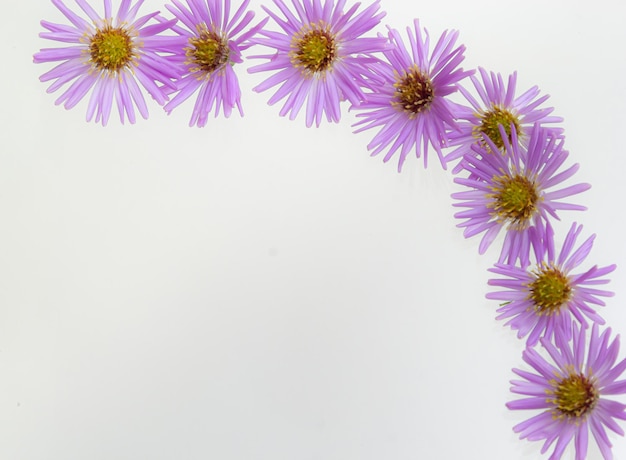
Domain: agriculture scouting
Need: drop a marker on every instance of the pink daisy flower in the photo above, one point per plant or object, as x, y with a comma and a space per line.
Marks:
542, 299
498, 105
212, 42
571, 389
515, 190
410, 106
320, 57
108, 55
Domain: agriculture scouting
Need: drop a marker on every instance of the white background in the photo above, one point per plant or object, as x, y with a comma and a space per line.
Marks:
259, 290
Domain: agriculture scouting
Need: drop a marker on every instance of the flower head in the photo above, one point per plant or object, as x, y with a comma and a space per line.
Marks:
410, 106
320, 56
212, 42
498, 106
108, 55
542, 299
571, 390
513, 190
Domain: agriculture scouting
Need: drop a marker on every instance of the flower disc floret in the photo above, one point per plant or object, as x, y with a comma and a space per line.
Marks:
490, 122
549, 291
414, 92
515, 199
315, 50
111, 48
207, 52
574, 396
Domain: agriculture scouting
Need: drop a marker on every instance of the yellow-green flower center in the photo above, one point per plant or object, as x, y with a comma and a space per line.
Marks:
111, 48
549, 291
514, 199
414, 91
314, 50
208, 51
490, 122
574, 396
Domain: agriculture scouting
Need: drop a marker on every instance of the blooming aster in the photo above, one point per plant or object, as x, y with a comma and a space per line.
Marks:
108, 55
542, 299
213, 42
410, 106
321, 57
571, 388
514, 190
498, 105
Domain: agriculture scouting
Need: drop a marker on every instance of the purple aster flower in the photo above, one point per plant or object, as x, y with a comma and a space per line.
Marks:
108, 55
320, 56
410, 106
498, 106
541, 300
571, 390
514, 190
212, 43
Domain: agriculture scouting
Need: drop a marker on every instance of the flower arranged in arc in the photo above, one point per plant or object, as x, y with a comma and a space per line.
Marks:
570, 389
410, 105
498, 105
511, 190
108, 55
541, 299
320, 57
213, 43
509, 154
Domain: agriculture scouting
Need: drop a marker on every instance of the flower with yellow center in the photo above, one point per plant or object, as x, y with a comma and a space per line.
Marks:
571, 383
541, 297
211, 39
110, 56
319, 57
410, 108
497, 105
515, 191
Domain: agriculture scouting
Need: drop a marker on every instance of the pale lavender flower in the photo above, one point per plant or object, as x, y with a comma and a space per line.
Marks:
320, 57
212, 42
410, 107
514, 190
107, 55
542, 298
571, 390
498, 105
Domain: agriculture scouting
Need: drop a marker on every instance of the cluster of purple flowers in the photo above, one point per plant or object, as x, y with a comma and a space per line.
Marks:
194, 52
507, 149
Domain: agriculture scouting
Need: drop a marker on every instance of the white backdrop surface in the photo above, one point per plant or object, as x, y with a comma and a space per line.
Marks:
258, 290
